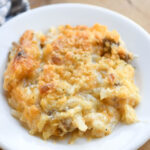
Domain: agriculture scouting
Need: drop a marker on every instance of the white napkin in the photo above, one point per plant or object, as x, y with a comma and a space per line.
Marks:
10, 8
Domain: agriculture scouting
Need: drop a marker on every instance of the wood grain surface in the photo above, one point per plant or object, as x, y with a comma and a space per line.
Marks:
137, 10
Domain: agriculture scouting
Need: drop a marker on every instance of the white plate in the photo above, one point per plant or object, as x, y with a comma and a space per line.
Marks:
125, 137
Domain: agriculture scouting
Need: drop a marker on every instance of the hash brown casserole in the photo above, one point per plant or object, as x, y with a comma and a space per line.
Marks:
75, 80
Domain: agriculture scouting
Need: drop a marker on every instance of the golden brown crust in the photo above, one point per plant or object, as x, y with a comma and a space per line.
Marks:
73, 79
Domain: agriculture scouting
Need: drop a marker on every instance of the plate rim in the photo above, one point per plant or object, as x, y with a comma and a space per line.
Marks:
142, 30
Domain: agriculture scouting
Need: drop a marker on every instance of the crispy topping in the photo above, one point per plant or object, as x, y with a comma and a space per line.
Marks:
56, 60
45, 88
71, 80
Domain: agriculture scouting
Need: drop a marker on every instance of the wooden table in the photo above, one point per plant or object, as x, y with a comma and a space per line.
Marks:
137, 10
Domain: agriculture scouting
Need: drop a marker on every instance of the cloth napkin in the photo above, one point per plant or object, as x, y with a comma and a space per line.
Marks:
11, 8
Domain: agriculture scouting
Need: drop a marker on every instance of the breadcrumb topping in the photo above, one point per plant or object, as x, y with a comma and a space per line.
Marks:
75, 80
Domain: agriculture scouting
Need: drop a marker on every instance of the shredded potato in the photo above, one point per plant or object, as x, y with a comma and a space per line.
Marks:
76, 80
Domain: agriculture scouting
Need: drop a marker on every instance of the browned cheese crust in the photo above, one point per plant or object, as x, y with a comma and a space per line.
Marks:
76, 80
